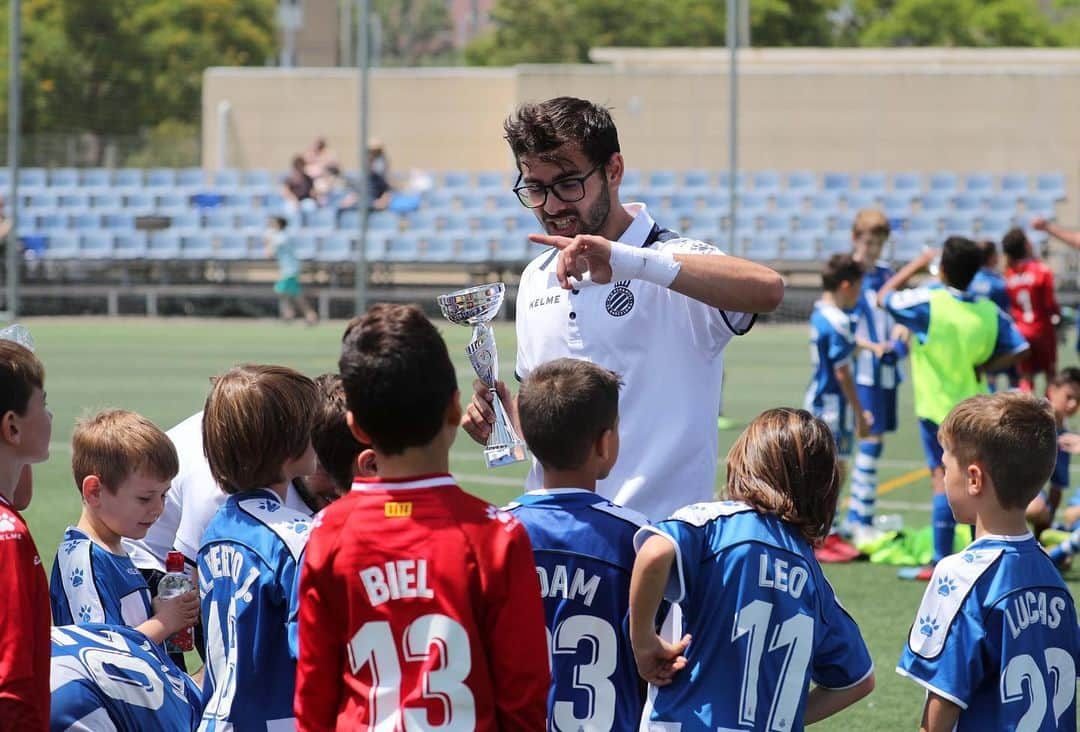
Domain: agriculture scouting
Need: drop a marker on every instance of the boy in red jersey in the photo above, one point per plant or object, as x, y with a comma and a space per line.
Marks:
419, 604
25, 429
1030, 284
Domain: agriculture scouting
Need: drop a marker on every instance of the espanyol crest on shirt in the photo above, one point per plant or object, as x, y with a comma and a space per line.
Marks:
620, 300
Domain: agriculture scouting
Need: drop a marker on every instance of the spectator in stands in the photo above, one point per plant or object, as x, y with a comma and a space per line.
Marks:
287, 287
377, 158
318, 159
5, 225
298, 188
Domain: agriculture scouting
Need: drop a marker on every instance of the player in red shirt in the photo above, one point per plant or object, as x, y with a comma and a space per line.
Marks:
1030, 284
25, 429
419, 604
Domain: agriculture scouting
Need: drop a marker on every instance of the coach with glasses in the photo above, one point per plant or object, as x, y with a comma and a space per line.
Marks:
618, 289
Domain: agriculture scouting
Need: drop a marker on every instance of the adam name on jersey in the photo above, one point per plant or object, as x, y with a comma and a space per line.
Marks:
559, 584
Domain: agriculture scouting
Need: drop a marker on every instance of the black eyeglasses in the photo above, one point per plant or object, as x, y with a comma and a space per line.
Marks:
567, 190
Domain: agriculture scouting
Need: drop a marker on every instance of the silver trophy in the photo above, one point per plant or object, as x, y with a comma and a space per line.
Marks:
476, 306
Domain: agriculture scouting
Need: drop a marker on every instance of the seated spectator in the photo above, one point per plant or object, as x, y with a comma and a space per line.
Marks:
298, 188
318, 159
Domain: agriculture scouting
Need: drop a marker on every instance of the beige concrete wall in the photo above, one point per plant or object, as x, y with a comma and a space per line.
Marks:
317, 41
853, 110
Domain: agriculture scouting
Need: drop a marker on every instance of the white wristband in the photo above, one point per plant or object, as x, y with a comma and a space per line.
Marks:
642, 263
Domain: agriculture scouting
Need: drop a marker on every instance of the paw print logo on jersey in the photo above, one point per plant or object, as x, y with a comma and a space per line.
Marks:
7, 523
76, 577
945, 586
969, 557
84, 614
70, 546
299, 526
268, 505
928, 626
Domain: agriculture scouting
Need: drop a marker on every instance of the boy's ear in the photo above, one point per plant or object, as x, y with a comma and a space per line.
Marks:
365, 466
91, 490
605, 444
453, 410
9, 429
976, 479
357, 432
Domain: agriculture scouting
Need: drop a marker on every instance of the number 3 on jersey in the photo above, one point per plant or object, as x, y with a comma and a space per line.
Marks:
374, 646
593, 678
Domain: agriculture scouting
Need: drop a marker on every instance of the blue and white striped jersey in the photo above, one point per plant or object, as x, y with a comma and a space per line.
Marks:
90, 584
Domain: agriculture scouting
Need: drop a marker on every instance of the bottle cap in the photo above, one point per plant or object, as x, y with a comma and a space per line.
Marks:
174, 562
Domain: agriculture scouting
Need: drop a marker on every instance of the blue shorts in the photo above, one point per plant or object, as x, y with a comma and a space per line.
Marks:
882, 404
930, 445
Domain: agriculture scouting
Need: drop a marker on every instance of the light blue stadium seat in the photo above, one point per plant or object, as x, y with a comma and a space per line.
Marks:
186, 220
835, 244
475, 248
801, 180
33, 177
495, 223
994, 225
1040, 202
837, 182
1051, 184
228, 178
791, 202
232, 247
968, 201
191, 177
937, 203
979, 182
663, 179
763, 247
339, 247
455, 179
897, 205
438, 247
306, 243
755, 200
815, 221
469, 200
454, 221
161, 178
856, 200
700, 223
141, 202
64, 178
129, 245
258, 178
321, 218
405, 246
959, 224
84, 220
219, 219
423, 219
910, 246
106, 200
172, 200
654, 201
1002, 203
42, 200
492, 179
163, 245
801, 247
766, 180
697, 179
632, 178
62, 246
128, 178
907, 182
118, 221
742, 180
96, 246
827, 200
872, 181
1016, 183
196, 246
73, 199
513, 248
5, 178
922, 225
683, 200
525, 222
944, 182
52, 222
775, 223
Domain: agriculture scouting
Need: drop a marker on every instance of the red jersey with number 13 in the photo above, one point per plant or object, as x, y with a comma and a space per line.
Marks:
1030, 284
419, 608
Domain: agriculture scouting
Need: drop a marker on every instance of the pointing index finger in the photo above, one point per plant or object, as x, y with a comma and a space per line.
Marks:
559, 242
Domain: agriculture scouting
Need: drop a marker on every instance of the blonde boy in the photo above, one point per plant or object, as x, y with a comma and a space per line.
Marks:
122, 464
995, 642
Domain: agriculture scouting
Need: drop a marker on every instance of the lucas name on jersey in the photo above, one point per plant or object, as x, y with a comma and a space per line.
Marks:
790, 580
396, 580
559, 584
1029, 609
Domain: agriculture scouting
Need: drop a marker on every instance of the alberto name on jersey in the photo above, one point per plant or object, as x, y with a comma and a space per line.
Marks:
744, 578
584, 550
996, 634
108, 678
247, 570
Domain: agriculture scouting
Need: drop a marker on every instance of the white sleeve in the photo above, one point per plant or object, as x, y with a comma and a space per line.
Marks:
522, 365
200, 500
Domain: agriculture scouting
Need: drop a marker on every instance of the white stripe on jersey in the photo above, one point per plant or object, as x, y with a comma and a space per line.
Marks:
80, 589
96, 721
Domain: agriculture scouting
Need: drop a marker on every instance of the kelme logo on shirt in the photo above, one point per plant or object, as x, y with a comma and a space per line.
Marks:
397, 509
620, 300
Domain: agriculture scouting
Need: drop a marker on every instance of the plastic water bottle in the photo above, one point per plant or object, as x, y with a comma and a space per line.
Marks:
888, 522
176, 582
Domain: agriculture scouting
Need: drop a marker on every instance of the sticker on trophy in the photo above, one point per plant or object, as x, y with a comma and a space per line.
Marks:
477, 306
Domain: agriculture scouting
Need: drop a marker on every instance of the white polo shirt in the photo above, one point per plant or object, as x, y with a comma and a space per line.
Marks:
668, 349
193, 499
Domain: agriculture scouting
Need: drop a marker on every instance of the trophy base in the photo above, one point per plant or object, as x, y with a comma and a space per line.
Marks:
497, 455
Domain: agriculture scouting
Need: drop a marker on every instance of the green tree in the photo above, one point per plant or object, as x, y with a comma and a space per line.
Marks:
954, 23
414, 32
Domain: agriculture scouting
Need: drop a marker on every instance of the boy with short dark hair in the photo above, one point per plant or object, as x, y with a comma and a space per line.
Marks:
832, 396
1063, 393
408, 561
335, 446
583, 543
1030, 285
122, 465
25, 430
955, 338
257, 438
995, 642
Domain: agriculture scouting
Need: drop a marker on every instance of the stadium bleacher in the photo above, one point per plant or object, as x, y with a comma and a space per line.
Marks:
786, 216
